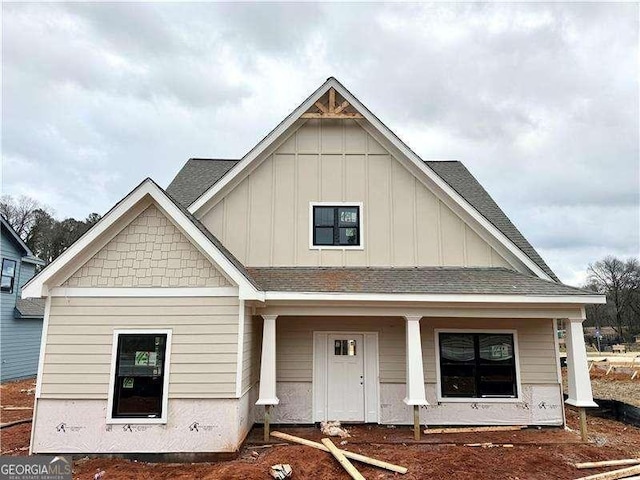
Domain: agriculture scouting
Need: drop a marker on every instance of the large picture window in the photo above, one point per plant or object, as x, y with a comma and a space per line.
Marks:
140, 378
8, 275
337, 226
477, 365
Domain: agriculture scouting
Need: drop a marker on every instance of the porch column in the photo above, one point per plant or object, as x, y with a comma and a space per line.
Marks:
578, 380
267, 396
415, 372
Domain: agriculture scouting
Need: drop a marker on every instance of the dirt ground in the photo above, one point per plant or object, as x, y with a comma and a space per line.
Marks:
615, 386
539, 454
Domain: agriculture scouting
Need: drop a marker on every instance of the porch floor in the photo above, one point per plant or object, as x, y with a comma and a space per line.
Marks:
403, 434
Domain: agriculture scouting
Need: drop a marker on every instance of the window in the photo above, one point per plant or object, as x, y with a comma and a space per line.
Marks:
477, 365
140, 376
8, 275
344, 347
336, 225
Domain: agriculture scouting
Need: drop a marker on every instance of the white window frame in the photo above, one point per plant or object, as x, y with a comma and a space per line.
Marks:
165, 386
516, 353
360, 207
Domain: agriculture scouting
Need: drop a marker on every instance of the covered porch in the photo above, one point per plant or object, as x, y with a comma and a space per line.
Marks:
373, 364
439, 346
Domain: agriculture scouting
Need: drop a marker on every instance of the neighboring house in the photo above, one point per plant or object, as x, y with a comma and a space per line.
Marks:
21, 322
328, 274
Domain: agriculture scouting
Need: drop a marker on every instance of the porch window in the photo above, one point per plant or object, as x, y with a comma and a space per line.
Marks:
477, 365
8, 275
140, 380
336, 225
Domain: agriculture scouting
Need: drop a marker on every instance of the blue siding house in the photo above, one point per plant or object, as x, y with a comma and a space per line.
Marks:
21, 322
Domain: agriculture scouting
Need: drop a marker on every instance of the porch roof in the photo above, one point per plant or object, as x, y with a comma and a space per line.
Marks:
420, 280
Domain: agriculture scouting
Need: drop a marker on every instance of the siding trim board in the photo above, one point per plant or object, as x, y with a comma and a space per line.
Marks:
144, 292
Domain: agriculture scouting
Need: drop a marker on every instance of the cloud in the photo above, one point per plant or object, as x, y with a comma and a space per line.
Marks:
540, 101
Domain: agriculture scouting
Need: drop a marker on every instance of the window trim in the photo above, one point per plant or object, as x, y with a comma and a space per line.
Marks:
516, 354
15, 274
111, 420
361, 230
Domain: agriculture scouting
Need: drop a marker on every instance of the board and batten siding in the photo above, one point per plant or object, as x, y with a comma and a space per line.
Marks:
294, 347
20, 339
80, 335
264, 221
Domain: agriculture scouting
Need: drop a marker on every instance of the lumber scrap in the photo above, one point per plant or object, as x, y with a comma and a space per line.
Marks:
608, 463
17, 422
474, 429
614, 474
344, 461
351, 455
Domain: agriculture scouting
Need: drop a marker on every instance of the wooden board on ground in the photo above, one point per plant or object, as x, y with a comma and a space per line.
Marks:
350, 455
346, 464
608, 463
614, 474
474, 429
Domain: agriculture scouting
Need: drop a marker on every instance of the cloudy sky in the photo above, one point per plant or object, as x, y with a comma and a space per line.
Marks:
540, 101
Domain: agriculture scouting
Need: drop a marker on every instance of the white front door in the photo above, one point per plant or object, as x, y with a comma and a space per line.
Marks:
345, 377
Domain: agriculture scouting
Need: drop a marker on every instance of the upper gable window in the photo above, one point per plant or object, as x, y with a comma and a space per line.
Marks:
336, 225
8, 275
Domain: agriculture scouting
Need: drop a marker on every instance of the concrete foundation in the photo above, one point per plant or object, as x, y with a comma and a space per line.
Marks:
193, 426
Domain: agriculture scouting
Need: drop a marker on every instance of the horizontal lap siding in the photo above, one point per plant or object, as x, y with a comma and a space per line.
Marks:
294, 344
80, 334
20, 339
536, 345
251, 348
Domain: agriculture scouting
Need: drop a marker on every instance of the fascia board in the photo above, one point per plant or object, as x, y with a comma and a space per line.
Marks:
436, 298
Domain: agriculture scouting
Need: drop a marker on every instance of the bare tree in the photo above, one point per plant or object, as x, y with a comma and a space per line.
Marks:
619, 280
21, 213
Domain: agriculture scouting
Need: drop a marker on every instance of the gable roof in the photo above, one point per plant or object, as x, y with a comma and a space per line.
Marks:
206, 172
413, 280
392, 143
28, 254
463, 182
196, 177
192, 228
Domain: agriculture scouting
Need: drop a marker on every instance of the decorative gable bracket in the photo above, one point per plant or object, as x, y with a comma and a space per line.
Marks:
329, 107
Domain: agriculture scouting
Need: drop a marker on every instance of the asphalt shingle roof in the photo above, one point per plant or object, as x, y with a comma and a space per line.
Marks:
29, 308
463, 182
424, 280
195, 178
198, 175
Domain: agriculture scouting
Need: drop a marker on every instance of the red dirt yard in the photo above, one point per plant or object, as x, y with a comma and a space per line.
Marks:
546, 453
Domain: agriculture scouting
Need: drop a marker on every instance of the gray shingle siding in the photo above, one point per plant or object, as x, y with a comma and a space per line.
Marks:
19, 338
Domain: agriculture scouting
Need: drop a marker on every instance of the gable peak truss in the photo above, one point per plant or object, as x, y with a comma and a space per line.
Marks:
331, 105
